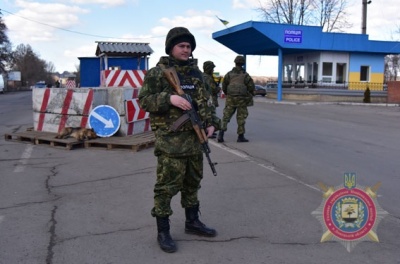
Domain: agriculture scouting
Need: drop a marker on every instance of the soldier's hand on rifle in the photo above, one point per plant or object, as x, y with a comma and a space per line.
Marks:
180, 102
210, 131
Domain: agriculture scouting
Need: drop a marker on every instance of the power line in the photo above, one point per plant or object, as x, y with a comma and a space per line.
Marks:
73, 31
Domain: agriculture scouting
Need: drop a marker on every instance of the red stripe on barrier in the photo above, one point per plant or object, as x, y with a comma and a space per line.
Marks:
64, 111
126, 77
138, 77
147, 126
86, 108
130, 111
130, 129
43, 108
142, 113
114, 78
135, 93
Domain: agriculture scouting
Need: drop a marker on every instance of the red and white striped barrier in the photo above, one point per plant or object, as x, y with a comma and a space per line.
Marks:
122, 78
56, 108
134, 128
49, 122
70, 84
67, 101
131, 93
134, 112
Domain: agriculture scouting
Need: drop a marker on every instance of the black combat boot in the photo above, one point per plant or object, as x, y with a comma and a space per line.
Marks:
194, 226
221, 136
164, 238
241, 138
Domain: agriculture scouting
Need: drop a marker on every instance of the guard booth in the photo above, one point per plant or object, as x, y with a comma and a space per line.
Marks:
117, 64
113, 78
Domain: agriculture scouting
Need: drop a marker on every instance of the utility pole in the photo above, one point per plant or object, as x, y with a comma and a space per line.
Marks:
364, 16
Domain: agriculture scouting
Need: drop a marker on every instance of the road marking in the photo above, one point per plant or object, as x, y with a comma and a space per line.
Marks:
1, 218
24, 159
270, 168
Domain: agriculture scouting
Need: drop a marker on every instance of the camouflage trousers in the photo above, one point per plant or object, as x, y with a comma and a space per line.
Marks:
242, 114
182, 174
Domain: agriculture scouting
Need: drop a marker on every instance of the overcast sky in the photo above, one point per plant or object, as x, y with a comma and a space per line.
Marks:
60, 31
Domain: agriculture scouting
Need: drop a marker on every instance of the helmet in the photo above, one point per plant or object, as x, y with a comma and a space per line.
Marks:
208, 66
239, 60
177, 35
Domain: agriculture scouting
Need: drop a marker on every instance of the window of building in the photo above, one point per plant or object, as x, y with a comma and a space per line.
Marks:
299, 73
341, 72
288, 73
364, 74
315, 72
327, 68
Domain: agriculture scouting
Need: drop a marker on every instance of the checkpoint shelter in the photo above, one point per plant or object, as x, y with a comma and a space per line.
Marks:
310, 58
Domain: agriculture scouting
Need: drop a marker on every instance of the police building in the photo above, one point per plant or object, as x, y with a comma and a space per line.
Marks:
310, 58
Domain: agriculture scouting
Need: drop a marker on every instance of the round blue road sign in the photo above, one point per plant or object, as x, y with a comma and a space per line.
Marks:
104, 120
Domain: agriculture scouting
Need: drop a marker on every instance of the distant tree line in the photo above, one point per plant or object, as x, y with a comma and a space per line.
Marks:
25, 60
32, 68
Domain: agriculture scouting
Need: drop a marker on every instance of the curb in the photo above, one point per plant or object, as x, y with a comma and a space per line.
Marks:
324, 103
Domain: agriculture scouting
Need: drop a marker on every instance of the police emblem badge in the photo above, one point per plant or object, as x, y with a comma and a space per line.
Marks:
349, 214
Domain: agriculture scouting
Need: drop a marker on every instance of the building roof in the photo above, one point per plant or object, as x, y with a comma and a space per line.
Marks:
263, 38
130, 49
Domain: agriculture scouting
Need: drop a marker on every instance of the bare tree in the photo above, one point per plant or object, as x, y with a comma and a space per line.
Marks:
392, 66
329, 14
285, 11
392, 62
5, 46
26, 61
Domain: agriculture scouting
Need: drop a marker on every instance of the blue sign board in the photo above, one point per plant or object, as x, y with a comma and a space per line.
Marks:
293, 36
104, 120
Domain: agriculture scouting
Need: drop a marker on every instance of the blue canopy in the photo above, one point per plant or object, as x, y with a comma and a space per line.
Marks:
263, 38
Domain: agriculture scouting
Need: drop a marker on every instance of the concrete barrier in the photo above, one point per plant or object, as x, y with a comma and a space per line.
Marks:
56, 108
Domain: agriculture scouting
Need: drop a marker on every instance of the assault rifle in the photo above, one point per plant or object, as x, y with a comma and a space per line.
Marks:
191, 115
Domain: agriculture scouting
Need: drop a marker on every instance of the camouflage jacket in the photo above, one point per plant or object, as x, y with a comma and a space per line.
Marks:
214, 88
154, 97
246, 100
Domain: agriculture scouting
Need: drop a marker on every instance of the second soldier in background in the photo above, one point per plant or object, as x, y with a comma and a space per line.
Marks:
239, 89
214, 88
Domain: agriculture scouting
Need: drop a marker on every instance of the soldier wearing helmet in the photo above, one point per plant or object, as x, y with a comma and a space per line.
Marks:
213, 86
178, 151
238, 87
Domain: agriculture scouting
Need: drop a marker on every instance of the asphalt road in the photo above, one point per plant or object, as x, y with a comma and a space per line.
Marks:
93, 205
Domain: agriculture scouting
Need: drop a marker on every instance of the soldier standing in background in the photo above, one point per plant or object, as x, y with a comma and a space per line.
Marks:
239, 89
179, 154
214, 89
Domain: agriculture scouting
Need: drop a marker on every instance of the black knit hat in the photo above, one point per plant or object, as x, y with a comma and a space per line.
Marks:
177, 35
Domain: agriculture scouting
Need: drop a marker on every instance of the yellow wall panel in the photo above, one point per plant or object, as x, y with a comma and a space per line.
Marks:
375, 83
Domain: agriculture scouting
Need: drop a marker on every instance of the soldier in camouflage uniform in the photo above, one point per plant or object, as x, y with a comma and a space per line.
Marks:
239, 89
214, 89
179, 154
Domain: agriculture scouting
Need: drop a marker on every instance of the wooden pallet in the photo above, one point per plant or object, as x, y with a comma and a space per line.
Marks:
134, 142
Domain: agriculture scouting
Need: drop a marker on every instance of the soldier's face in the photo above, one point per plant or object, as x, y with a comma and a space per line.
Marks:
182, 51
